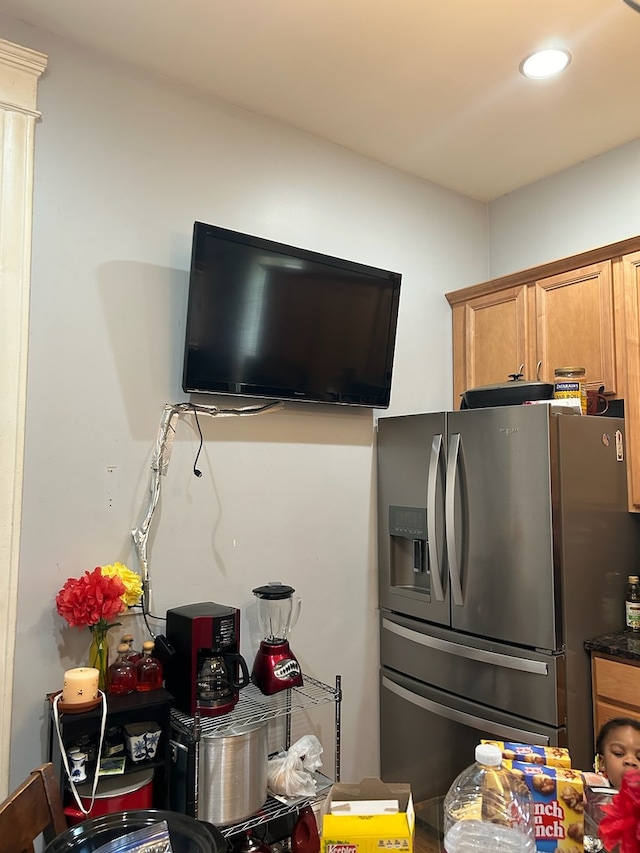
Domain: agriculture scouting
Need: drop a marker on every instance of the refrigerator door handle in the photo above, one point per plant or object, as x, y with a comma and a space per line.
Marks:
432, 482
487, 726
536, 667
453, 463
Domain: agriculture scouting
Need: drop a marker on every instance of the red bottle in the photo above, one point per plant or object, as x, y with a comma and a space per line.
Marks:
148, 669
132, 654
304, 836
121, 675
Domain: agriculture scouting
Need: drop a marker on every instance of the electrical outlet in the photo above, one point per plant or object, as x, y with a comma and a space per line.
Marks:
111, 485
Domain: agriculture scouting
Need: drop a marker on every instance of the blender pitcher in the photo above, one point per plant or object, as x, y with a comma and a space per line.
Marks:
275, 667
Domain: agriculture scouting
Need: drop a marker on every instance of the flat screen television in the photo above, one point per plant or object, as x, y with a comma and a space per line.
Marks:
268, 320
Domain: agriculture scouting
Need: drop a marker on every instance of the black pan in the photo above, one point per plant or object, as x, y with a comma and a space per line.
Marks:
512, 393
188, 835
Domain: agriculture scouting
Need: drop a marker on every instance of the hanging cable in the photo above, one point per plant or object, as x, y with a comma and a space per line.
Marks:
196, 471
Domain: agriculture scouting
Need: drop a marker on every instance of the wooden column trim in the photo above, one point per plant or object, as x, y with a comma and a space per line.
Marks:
20, 69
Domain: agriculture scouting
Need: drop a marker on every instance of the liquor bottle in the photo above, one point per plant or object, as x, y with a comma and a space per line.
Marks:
133, 654
148, 669
121, 675
632, 604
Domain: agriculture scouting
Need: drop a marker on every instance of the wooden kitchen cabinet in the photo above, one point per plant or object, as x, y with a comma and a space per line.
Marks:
580, 311
565, 319
574, 324
627, 279
616, 689
489, 338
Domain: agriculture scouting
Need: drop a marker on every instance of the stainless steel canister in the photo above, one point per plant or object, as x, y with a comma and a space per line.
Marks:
232, 773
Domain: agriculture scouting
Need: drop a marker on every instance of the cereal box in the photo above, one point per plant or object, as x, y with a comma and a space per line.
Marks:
551, 756
558, 805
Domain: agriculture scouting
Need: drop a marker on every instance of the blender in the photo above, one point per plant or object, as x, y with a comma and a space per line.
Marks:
275, 667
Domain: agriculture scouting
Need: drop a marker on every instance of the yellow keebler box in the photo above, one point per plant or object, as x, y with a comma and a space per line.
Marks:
363, 818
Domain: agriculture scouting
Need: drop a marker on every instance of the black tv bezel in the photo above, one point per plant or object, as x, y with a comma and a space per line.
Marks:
202, 231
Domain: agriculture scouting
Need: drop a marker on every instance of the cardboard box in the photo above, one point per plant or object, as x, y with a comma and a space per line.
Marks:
551, 756
347, 830
558, 805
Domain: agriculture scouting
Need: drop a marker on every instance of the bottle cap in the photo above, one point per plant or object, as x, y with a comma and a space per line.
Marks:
127, 638
123, 647
489, 754
633, 578
148, 644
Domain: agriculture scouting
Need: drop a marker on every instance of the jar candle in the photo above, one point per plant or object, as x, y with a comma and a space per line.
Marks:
80, 685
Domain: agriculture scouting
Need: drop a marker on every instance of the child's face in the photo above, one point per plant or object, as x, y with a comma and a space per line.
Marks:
621, 753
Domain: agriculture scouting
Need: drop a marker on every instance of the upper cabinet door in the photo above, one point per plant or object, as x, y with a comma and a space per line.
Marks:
629, 347
574, 322
489, 339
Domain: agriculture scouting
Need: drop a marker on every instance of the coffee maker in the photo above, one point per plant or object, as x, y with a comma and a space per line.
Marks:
206, 671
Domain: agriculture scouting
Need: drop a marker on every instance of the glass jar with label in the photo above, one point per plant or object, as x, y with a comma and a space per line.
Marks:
632, 604
571, 383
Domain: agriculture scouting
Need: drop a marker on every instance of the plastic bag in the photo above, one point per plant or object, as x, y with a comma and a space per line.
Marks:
148, 839
290, 773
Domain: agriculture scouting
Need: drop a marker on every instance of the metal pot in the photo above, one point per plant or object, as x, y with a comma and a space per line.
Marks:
512, 393
232, 773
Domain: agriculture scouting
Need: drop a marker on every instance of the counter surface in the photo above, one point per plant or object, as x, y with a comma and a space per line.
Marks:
623, 644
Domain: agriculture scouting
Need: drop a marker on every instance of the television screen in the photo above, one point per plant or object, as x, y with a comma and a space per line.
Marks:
268, 320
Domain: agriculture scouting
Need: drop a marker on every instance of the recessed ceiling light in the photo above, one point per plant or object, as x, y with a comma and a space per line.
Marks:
545, 63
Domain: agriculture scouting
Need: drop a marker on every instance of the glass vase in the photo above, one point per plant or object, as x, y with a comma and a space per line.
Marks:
99, 654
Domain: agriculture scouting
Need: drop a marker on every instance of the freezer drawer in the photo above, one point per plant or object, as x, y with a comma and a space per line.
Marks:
429, 736
522, 682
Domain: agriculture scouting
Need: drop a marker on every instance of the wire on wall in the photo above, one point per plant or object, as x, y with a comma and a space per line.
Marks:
160, 464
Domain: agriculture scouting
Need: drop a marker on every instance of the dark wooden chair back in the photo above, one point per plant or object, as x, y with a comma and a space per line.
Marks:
35, 807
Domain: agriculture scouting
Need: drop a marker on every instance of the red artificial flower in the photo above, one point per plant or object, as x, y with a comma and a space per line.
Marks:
87, 600
621, 823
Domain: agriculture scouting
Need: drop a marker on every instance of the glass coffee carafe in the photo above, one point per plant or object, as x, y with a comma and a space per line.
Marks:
221, 675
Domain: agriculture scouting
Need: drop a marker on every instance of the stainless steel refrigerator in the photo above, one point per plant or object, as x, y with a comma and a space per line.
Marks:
504, 543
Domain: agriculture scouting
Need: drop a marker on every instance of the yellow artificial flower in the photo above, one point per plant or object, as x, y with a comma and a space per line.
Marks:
132, 582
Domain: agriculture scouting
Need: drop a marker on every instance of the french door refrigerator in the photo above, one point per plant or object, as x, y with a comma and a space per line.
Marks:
504, 543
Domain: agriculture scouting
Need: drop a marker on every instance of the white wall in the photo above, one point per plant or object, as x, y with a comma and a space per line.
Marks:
592, 204
124, 164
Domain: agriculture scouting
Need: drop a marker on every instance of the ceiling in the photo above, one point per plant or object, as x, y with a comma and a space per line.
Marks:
431, 87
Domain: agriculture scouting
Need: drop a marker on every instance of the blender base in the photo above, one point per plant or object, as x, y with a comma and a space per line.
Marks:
275, 668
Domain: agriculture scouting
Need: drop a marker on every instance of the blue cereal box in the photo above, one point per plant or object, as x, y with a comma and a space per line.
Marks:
550, 756
558, 805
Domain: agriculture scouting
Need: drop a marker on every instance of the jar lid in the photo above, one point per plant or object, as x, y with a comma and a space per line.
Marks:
559, 371
274, 591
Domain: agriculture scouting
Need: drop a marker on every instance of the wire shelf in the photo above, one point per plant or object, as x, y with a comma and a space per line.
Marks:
254, 707
272, 809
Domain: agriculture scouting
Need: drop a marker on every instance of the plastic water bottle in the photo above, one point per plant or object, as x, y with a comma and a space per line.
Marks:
488, 808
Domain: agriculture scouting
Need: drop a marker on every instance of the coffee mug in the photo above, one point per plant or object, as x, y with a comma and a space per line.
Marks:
597, 403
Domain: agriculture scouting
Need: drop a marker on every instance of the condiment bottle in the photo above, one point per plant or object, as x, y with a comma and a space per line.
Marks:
570, 382
148, 669
632, 604
133, 654
121, 674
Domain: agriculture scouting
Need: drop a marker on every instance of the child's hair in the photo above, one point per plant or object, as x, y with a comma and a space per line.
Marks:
612, 725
